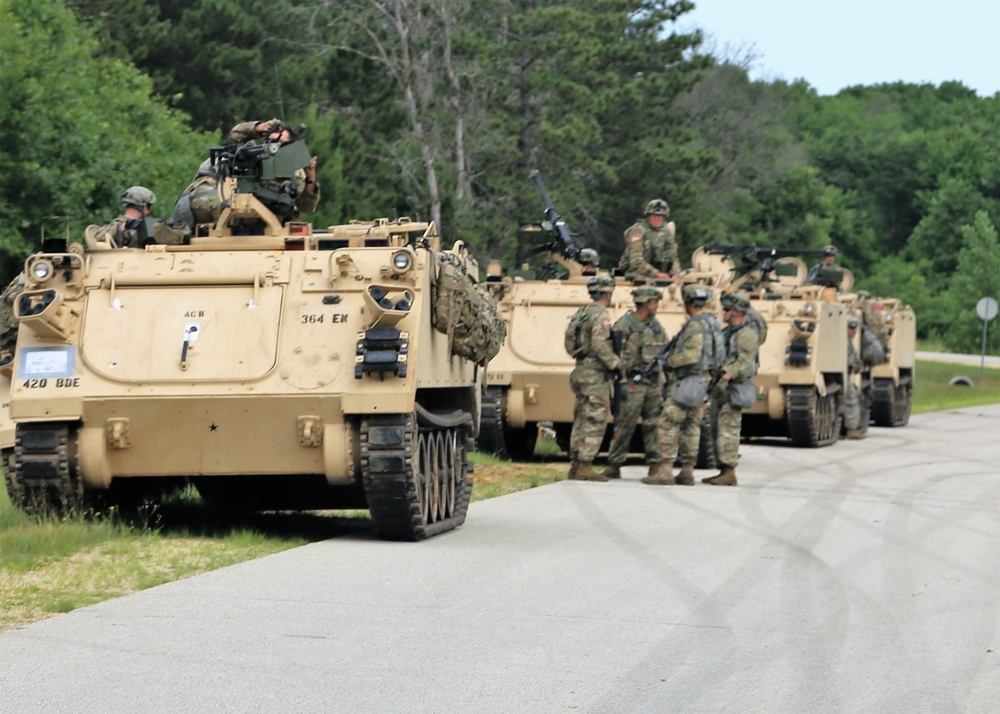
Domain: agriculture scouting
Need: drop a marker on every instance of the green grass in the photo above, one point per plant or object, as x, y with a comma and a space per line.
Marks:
51, 564
931, 391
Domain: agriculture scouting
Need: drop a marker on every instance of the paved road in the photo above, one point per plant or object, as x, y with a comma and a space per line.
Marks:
858, 578
971, 360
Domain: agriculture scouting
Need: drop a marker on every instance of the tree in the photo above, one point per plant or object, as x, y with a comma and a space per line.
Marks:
77, 130
977, 275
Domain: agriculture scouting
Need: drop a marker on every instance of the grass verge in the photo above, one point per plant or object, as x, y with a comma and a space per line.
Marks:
50, 565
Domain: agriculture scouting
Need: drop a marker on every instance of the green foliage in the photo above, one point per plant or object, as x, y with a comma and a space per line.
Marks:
77, 131
977, 276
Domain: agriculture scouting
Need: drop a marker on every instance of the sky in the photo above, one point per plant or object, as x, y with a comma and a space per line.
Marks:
842, 43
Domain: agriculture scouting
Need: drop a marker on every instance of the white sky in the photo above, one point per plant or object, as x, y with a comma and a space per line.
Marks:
833, 44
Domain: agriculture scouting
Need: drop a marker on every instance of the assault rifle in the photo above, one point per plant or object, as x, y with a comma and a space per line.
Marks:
618, 344
560, 239
752, 257
657, 361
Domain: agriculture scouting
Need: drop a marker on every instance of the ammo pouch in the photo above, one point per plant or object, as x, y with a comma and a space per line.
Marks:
689, 392
741, 395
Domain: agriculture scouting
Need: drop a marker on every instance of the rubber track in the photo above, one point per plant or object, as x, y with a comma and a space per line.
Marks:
43, 472
803, 417
491, 432
388, 448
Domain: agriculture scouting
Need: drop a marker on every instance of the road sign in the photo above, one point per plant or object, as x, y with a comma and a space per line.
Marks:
986, 308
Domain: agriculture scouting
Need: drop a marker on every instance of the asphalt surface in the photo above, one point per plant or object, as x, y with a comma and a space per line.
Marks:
857, 578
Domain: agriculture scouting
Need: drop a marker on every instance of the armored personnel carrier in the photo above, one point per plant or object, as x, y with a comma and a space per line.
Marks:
890, 383
803, 362
270, 364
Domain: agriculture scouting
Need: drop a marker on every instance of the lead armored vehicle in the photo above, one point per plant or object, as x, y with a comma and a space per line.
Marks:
271, 364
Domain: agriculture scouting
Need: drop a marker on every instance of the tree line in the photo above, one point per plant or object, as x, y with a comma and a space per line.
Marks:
440, 109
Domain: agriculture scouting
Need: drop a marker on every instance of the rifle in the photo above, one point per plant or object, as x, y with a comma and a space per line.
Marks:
657, 360
618, 344
561, 239
753, 257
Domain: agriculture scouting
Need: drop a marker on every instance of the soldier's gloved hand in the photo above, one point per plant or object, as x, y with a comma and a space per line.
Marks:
266, 127
622, 372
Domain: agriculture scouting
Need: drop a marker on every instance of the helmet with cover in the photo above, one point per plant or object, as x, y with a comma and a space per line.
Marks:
657, 207
736, 302
138, 196
644, 294
852, 322
600, 285
588, 256
696, 295
830, 250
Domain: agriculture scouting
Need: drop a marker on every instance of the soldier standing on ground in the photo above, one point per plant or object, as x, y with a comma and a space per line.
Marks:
679, 428
742, 345
643, 336
650, 246
852, 399
588, 341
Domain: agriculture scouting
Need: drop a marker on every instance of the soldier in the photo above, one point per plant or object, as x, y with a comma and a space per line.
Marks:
199, 203
588, 340
851, 407
650, 247
742, 344
642, 337
823, 273
304, 187
589, 261
688, 363
126, 231
9, 323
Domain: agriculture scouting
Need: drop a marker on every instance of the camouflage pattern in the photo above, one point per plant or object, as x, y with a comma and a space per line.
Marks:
589, 381
851, 406
742, 345
8, 323
642, 340
679, 427
649, 251
122, 232
306, 195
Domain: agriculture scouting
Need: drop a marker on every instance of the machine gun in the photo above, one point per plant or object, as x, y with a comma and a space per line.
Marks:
754, 258
560, 239
267, 170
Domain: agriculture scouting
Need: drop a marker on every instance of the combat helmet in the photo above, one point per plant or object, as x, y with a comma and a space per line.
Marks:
736, 301
696, 295
588, 256
645, 294
657, 207
830, 250
601, 284
852, 322
138, 196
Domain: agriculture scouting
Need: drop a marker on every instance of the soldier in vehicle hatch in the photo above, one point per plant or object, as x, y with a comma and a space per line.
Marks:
826, 272
650, 246
304, 188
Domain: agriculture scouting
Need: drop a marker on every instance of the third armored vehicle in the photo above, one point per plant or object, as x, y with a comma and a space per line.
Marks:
272, 365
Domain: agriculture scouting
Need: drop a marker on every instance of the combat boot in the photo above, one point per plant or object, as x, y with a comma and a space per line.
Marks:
856, 434
613, 471
585, 472
725, 477
686, 476
572, 470
659, 475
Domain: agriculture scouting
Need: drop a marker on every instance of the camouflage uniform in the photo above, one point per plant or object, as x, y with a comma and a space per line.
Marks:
8, 323
851, 406
123, 232
642, 340
589, 381
742, 345
679, 428
306, 201
649, 251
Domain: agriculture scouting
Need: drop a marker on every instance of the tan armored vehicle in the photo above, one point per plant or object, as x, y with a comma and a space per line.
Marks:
890, 383
283, 368
803, 361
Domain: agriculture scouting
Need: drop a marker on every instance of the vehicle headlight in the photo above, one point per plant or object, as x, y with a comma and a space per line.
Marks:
41, 271
402, 261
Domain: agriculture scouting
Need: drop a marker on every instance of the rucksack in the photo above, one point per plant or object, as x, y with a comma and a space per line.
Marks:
573, 340
755, 320
465, 311
713, 351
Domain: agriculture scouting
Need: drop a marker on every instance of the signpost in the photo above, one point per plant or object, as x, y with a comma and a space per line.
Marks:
986, 308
